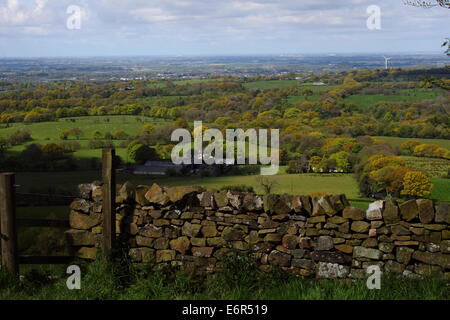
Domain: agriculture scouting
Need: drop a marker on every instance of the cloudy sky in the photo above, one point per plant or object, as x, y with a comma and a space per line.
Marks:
215, 27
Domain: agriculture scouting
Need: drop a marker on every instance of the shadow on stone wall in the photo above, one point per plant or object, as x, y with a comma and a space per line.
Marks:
326, 238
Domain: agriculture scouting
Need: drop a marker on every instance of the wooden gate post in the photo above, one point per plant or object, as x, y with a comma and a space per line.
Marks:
109, 200
8, 223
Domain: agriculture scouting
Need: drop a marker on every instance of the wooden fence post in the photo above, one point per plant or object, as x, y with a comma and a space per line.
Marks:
109, 200
8, 223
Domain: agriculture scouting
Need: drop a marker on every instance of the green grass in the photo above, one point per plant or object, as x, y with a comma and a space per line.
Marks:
397, 141
297, 184
237, 281
404, 95
270, 84
43, 131
441, 189
300, 184
42, 241
46, 132
364, 205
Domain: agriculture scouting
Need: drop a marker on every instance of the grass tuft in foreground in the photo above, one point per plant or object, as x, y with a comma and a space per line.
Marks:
239, 279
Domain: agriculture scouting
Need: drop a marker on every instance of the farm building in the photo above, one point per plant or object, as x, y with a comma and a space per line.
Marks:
157, 168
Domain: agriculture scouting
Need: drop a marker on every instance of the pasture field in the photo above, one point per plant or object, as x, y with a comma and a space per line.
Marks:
404, 95
436, 168
441, 190
300, 184
47, 132
397, 141
271, 84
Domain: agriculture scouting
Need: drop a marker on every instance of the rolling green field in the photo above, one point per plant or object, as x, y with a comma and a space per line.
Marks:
441, 190
405, 95
46, 132
397, 142
300, 184
271, 84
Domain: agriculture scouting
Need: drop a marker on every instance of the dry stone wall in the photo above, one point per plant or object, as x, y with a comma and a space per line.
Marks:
326, 237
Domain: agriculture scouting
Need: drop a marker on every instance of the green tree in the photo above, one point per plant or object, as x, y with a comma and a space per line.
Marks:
141, 153
307, 92
342, 161
53, 150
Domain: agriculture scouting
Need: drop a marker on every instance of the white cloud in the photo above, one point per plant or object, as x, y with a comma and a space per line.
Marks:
226, 23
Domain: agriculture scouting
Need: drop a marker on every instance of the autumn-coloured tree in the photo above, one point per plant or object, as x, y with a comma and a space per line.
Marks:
416, 184
307, 92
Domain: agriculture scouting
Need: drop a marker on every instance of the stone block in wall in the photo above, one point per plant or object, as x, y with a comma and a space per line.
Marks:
144, 241
409, 210
180, 245
332, 257
391, 212
326, 204
326, 270
386, 247
157, 195
81, 205
80, 238
360, 226
97, 193
206, 199
443, 213
139, 195
82, 221
392, 266
370, 243
165, 255
400, 230
344, 248
445, 235
427, 270
404, 254
338, 202
438, 259
275, 204
126, 193
234, 234
280, 259
221, 199
85, 190
184, 193
375, 210
204, 252
354, 213
445, 246
324, 243
190, 229
303, 264
426, 210
435, 227
151, 231
161, 244
369, 253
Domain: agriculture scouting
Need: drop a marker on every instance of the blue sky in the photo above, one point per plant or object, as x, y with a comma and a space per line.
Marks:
212, 27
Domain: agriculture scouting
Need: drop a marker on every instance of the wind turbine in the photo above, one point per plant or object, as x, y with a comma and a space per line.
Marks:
386, 60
